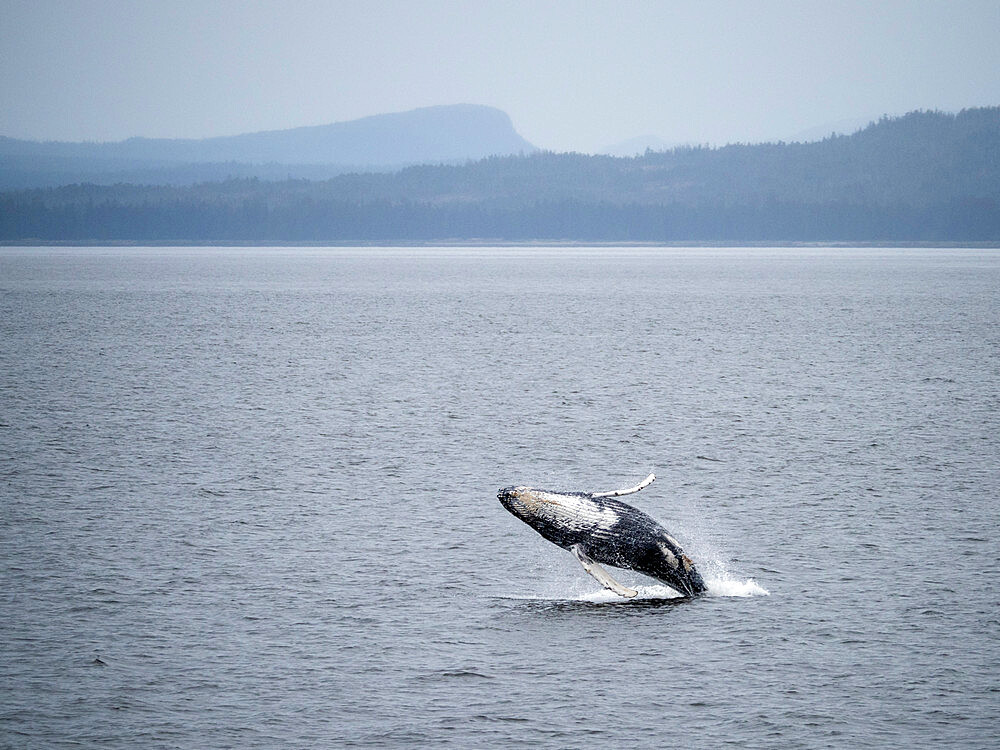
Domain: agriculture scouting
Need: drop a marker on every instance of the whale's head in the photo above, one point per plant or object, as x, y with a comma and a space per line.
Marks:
518, 500
534, 507
559, 517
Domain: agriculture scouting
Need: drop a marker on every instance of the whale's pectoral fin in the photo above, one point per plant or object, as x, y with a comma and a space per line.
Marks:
628, 490
601, 575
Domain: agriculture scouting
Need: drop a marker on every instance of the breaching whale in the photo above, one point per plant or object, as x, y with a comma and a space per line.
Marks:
599, 529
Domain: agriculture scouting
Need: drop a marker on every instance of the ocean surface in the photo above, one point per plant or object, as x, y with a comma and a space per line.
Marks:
248, 496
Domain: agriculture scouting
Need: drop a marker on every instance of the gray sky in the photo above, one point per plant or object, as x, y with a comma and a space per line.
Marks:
572, 75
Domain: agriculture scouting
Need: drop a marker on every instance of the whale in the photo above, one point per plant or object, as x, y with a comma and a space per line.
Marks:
599, 529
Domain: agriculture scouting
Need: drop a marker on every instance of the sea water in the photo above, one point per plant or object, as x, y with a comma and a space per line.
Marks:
248, 496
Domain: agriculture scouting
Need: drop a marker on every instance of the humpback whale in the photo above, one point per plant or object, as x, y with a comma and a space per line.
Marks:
599, 529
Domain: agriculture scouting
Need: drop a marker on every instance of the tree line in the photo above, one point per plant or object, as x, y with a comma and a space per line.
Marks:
926, 176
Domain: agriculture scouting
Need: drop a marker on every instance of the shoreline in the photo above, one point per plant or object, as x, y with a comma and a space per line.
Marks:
484, 243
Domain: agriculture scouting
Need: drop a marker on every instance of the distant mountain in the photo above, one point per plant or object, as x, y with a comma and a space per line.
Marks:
431, 135
923, 177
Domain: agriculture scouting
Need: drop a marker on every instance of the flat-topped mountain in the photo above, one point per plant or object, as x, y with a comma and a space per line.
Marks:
430, 135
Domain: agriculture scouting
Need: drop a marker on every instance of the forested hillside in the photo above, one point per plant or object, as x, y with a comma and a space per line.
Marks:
926, 176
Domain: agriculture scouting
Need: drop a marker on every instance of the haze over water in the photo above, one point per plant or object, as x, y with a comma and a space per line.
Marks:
248, 496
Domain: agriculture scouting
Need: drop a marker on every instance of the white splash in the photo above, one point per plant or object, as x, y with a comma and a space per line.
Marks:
735, 587
721, 582
653, 591
721, 587
726, 586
